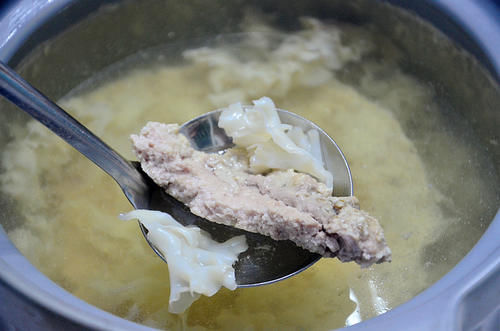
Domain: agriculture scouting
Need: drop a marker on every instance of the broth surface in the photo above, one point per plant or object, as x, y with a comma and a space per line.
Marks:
70, 208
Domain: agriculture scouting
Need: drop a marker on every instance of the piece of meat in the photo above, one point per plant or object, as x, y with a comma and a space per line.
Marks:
282, 204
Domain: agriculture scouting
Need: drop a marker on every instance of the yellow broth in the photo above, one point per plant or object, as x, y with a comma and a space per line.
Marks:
70, 208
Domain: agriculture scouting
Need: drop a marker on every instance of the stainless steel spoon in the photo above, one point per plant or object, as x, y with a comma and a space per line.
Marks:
256, 266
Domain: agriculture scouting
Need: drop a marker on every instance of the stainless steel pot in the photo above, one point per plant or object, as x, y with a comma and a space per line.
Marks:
92, 34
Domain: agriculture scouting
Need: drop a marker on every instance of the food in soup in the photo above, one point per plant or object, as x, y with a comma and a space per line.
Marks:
282, 204
271, 144
61, 209
197, 264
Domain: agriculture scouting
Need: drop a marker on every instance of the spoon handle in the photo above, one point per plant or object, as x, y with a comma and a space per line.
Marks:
29, 99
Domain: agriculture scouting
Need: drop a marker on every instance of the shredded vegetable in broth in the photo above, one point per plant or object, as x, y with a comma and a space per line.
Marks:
70, 207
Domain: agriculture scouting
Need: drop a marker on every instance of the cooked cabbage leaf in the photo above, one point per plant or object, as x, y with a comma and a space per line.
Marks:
196, 263
272, 144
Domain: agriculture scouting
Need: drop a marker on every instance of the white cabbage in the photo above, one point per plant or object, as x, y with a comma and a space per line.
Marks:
272, 144
271, 61
196, 263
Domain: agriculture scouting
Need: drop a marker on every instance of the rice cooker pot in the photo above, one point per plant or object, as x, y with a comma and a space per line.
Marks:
465, 298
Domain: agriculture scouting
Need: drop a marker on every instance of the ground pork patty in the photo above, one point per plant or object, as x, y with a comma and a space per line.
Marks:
282, 204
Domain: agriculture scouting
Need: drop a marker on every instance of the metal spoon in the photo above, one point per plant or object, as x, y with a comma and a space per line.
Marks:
266, 261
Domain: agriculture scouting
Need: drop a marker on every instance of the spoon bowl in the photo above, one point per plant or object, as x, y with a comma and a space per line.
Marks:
266, 261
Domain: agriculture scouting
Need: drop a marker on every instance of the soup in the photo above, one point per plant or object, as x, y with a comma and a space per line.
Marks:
347, 80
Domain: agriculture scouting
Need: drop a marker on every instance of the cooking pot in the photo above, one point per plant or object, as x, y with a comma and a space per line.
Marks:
58, 44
